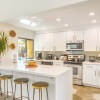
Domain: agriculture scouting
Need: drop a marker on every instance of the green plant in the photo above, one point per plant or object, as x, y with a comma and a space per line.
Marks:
3, 43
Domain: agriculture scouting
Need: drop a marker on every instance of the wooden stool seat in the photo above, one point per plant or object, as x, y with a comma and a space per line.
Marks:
40, 85
21, 80
3, 77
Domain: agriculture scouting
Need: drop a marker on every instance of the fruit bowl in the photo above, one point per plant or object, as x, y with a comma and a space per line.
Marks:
31, 64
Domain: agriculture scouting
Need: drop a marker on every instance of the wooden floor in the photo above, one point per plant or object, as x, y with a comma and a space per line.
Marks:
81, 93
86, 93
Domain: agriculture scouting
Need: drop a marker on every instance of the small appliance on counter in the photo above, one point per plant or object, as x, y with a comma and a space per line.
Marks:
64, 57
39, 55
92, 58
49, 57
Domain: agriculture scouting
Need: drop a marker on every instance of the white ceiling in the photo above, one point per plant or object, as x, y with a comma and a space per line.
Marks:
73, 15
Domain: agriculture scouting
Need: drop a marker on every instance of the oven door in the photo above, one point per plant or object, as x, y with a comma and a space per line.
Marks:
77, 71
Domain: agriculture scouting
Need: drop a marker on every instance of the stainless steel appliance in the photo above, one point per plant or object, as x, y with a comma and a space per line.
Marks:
64, 57
74, 45
92, 58
75, 62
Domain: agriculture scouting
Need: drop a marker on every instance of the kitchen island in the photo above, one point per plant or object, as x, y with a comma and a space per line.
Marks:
59, 79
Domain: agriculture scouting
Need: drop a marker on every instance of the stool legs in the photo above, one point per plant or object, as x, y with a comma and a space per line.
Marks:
47, 93
0, 87
14, 92
33, 93
27, 91
40, 94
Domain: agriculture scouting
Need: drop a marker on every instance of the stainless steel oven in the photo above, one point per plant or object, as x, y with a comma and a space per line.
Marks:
77, 73
75, 62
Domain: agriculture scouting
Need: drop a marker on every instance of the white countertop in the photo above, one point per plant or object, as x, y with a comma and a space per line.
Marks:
88, 62
43, 70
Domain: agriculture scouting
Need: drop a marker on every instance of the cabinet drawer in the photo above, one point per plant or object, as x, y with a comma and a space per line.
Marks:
90, 66
57, 64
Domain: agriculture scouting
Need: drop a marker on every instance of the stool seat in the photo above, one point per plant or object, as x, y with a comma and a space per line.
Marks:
21, 80
3, 77
40, 84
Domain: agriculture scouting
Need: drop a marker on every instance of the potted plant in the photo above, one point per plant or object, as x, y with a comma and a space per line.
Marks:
3, 43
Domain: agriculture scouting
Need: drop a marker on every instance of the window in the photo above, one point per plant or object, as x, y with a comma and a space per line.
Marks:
25, 48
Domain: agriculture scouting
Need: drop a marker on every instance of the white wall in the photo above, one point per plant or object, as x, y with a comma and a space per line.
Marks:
20, 32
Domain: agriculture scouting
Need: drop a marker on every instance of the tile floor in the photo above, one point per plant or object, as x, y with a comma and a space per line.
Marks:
81, 93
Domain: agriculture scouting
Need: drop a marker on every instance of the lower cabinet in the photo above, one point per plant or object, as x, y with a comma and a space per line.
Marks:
91, 74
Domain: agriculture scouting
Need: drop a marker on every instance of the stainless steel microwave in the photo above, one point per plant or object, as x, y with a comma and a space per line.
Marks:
75, 45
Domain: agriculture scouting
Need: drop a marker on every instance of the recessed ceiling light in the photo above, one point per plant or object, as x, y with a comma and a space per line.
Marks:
66, 25
24, 21
91, 14
44, 28
58, 19
33, 24
94, 21
33, 17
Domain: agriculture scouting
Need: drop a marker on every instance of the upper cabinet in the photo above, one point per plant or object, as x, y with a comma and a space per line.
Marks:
60, 41
79, 35
75, 35
90, 40
98, 38
70, 35
39, 42
49, 42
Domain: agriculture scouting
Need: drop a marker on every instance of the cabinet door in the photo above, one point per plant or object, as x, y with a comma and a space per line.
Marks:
49, 42
38, 42
99, 39
70, 35
60, 41
90, 74
79, 35
90, 40
99, 75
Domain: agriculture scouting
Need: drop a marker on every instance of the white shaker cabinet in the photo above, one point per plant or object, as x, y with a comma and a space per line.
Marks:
79, 35
98, 39
49, 42
90, 40
70, 35
90, 74
39, 42
60, 41
98, 75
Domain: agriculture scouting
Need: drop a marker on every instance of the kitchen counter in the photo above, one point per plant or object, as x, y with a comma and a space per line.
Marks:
59, 79
92, 63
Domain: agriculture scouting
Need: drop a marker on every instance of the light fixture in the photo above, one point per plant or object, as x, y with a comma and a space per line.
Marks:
66, 25
94, 21
44, 28
33, 24
25, 21
58, 19
33, 17
91, 14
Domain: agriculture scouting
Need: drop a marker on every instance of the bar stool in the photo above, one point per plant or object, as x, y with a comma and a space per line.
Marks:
21, 81
40, 86
6, 78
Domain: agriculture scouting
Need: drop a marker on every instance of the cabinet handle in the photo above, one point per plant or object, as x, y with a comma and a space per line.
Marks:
96, 48
95, 73
90, 66
99, 48
55, 48
99, 74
